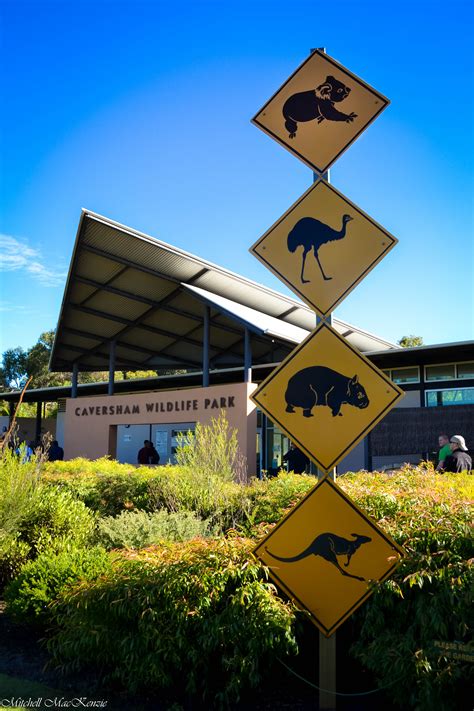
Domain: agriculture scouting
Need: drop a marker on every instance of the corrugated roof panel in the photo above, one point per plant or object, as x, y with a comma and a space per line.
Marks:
174, 323
97, 268
71, 339
122, 352
117, 305
92, 324
143, 252
80, 292
145, 285
145, 339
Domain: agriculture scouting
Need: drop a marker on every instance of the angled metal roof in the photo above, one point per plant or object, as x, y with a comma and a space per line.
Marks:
147, 296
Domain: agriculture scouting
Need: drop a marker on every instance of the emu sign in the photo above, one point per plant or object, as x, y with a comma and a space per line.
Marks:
326, 396
319, 111
323, 246
325, 554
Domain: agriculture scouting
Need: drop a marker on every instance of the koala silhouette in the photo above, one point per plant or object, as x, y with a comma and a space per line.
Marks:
316, 104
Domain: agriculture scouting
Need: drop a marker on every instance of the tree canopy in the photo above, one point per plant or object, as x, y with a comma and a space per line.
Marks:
410, 341
18, 365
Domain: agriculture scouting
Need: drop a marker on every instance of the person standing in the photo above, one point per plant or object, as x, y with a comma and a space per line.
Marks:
445, 451
459, 460
148, 454
297, 461
56, 453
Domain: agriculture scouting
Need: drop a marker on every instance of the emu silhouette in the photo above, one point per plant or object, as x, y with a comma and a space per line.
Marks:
329, 546
310, 233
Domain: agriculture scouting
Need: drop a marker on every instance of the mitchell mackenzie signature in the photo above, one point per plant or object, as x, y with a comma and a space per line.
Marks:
58, 702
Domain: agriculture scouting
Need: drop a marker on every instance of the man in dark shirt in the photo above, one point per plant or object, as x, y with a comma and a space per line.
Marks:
148, 454
459, 459
296, 460
56, 453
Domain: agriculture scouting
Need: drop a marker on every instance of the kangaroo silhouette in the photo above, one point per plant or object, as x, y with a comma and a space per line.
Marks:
310, 233
329, 546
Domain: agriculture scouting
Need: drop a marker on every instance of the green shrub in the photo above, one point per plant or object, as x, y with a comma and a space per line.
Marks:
138, 529
14, 553
211, 450
427, 603
40, 581
19, 485
57, 517
196, 617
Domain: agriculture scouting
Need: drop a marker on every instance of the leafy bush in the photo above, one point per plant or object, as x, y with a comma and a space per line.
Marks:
138, 529
57, 517
19, 484
211, 450
427, 602
14, 553
40, 581
197, 617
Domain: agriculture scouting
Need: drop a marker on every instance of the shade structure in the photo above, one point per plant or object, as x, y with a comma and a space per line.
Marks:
149, 298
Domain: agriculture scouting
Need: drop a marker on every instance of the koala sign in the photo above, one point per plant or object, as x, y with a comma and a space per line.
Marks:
319, 111
316, 104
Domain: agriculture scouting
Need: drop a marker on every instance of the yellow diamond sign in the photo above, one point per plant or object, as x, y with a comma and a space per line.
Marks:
326, 554
319, 111
323, 246
326, 396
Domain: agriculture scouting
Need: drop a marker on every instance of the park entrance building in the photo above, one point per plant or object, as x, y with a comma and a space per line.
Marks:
132, 302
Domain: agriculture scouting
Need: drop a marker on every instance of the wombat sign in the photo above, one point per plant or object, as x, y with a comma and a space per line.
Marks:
320, 386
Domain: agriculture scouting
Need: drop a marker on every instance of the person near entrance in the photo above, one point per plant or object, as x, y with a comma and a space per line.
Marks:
445, 451
148, 454
55, 453
459, 460
297, 461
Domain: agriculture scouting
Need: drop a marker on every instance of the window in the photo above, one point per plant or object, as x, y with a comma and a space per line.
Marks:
440, 372
450, 396
406, 375
465, 370
403, 375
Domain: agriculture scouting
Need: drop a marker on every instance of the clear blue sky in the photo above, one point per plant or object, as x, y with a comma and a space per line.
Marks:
141, 111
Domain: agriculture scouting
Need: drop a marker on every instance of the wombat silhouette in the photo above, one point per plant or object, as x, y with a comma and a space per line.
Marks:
329, 546
321, 386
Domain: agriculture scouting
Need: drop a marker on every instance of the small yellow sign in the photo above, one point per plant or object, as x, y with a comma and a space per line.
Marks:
323, 246
319, 111
326, 554
326, 396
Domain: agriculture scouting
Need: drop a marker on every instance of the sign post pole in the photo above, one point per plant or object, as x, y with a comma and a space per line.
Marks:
327, 645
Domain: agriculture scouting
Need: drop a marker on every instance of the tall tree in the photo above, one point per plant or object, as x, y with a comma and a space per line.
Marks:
410, 341
14, 369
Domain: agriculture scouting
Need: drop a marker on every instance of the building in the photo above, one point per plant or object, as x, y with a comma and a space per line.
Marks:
135, 303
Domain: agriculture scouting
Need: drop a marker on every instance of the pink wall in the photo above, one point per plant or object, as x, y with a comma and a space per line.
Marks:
88, 420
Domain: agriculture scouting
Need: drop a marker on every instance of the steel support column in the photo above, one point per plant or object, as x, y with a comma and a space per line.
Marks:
111, 368
75, 373
38, 423
205, 346
247, 357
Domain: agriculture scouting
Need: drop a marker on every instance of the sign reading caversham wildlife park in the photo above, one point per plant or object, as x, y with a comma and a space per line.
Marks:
323, 246
153, 407
319, 111
326, 554
326, 396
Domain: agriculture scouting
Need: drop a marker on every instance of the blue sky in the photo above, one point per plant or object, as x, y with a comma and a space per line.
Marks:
141, 111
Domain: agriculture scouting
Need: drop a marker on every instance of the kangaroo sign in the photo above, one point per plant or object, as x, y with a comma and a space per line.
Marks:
323, 246
319, 111
326, 396
326, 554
